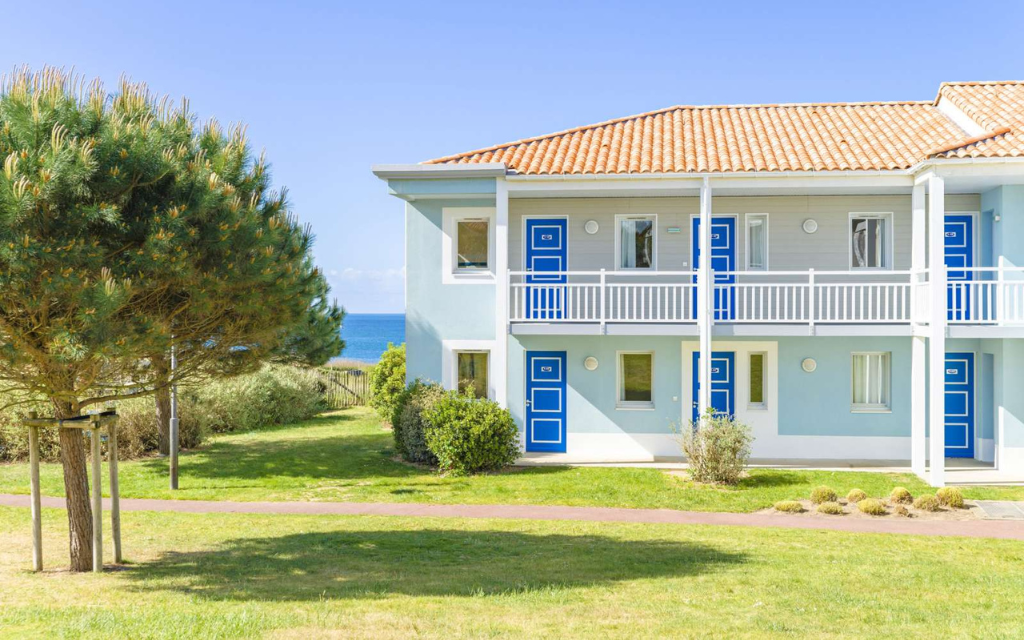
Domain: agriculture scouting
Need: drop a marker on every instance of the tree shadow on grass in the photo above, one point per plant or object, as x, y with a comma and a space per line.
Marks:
431, 562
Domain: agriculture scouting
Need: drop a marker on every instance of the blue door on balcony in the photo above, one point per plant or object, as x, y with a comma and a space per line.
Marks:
546, 242
545, 401
959, 405
959, 248
723, 258
723, 382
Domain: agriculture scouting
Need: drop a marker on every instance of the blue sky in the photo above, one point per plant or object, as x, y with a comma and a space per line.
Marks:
329, 88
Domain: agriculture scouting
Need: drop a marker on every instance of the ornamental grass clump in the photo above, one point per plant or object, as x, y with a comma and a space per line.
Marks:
927, 502
823, 494
855, 496
831, 508
901, 510
950, 497
717, 448
900, 495
872, 507
789, 506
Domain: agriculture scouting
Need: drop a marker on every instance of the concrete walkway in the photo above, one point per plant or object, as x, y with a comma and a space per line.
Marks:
971, 528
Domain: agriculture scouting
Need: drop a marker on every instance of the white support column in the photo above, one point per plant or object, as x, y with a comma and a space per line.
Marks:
918, 375
937, 331
704, 299
499, 359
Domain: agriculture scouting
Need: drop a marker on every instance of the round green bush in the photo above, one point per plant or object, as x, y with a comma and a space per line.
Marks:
900, 495
927, 502
831, 508
468, 434
789, 506
855, 496
387, 383
409, 429
823, 494
950, 497
872, 507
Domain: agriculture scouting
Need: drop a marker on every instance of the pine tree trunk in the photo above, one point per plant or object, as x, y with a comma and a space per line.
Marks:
163, 404
76, 490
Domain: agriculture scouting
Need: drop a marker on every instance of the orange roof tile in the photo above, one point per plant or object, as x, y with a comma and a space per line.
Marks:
785, 137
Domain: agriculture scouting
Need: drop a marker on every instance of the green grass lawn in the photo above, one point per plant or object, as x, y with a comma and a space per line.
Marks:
227, 575
347, 456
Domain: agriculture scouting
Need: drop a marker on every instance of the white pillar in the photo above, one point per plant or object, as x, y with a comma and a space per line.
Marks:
499, 359
704, 299
937, 325
918, 375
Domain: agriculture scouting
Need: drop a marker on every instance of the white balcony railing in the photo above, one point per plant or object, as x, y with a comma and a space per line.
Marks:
974, 296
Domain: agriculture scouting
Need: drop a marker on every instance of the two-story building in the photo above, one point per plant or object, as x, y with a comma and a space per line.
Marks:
861, 299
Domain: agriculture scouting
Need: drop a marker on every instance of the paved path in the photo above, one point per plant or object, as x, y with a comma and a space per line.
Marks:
971, 528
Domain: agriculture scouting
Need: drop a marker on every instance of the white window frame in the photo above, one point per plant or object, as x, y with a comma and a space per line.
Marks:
763, 405
653, 217
631, 405
746, 239
450, 361
890, 240
866, 407
450, 273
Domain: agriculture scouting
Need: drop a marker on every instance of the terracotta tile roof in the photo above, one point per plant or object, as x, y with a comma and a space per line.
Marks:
787, 137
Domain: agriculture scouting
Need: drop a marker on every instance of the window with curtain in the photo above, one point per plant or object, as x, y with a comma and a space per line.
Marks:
871, 376
869, 236
471, 244
636, 243
636, 380
757, 365
757, 243
472, 372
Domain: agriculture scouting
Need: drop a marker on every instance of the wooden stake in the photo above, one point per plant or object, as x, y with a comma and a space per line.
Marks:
97, 500
37, 516
115, 497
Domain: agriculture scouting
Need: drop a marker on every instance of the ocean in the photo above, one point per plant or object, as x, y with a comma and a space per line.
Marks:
367, 335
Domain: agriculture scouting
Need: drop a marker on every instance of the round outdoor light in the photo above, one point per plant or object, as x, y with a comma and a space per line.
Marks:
810, 225
808, 365
590, 363
591, 227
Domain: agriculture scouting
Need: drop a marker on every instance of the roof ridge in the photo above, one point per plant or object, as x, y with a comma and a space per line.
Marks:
968, 83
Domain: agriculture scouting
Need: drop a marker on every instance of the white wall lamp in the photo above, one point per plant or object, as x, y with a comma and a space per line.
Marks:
591, 227
808, 365
590, 363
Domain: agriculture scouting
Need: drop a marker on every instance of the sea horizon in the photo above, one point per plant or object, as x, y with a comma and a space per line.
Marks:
367, 335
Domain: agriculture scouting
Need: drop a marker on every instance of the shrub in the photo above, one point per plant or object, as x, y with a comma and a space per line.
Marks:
900, 495
950, 497
872, 507
927, 502
469, 434
789, 506
855, 496
823, 494
717, 448
276, 394
387, 383
831, 508
409, 429
137, 433
901, 510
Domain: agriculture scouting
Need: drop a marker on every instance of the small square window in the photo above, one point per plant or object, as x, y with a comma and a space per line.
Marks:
871, 381
757, 368
471, 238
472, 372
636, 240
636, 380
870, 241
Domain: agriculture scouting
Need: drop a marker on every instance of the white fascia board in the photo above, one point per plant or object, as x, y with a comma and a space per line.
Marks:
428, 171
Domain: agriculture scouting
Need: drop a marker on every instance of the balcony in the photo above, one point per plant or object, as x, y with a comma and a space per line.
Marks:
977, 296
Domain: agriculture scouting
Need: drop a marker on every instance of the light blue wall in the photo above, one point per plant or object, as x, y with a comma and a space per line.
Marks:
1008, 203
1008, 388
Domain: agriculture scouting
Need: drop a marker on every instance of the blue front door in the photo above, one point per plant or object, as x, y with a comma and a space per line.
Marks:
545, 401
723, 259
723, 382
546, 242
959, 242
959, 405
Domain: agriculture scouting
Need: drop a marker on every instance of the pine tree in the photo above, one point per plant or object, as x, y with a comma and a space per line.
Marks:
125, 229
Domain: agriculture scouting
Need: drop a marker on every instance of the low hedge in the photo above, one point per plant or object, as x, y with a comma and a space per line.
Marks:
467, 434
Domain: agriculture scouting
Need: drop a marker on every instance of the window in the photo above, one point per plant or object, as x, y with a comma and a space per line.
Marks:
870, 241
757, 368
871, 373
471, 239
757, 242
636, 242
636, 380
471, 372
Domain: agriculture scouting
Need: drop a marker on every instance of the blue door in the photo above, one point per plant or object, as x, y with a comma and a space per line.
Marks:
959, 405
546, 242
959, 242
723, 258
545, 401
723, 382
